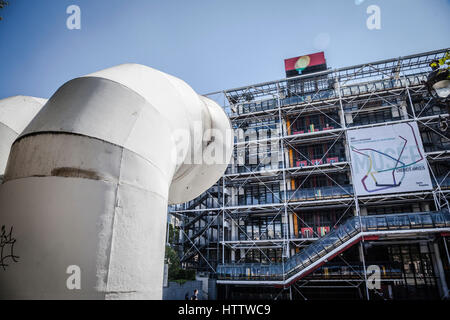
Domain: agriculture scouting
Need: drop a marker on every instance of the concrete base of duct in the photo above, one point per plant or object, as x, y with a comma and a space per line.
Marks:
110, 222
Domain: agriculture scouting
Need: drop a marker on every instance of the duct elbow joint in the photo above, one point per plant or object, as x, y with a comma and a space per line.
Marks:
94, 172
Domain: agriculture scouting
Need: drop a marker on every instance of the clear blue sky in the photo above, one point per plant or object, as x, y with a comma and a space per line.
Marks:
211, 44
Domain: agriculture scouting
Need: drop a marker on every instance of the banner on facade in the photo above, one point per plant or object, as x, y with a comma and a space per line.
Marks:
388, 159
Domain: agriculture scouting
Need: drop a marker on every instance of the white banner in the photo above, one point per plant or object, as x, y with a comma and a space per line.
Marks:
388, 159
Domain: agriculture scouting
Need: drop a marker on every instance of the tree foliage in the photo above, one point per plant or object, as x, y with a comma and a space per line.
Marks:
176, 273
174, 234
3, 4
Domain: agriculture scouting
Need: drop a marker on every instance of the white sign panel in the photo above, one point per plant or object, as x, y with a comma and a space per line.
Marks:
388, 159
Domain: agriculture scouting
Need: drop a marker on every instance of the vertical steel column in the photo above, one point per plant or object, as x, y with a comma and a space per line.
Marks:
286, 245
440, 269
361, 254
223, 220
344, 127
410, 100
355, 196
437, 202
444, 239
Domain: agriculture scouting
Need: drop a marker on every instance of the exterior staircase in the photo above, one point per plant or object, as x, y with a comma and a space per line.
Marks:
349, 233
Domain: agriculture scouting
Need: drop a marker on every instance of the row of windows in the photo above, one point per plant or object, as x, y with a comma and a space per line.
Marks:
260, 194
310, 96
256, 153
314, 123
417, 266
440, 169
300, 86
389, 209
268, 156
261, 256
261, 228
435, 140
318, 181
246, 129
426, 107
364, 118
256, 106
305, 225
355, 115
258, 167
317, 154
324, 188
316, 224
300, 90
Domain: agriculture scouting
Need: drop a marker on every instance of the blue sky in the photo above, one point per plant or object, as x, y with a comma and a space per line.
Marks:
211, 44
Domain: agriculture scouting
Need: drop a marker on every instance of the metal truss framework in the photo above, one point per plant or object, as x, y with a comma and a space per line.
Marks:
392, 84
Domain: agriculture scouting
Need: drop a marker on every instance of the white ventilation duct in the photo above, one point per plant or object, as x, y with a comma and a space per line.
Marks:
89, 180
15, 114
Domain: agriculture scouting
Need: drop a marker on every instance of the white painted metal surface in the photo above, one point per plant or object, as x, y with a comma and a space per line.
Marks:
89, 180
15, 114
333, 252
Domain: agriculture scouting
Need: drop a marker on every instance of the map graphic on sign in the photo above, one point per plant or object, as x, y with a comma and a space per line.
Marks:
388, 159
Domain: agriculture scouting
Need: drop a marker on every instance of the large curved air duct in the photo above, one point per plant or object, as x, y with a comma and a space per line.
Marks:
89, 180
15, 114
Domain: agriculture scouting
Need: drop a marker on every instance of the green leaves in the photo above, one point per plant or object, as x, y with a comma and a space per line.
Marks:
2, 5
176, 273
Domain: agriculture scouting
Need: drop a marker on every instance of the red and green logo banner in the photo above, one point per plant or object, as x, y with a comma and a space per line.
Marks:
304, 63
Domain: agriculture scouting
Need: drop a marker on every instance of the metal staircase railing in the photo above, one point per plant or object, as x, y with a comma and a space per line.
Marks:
192, 253
329, 246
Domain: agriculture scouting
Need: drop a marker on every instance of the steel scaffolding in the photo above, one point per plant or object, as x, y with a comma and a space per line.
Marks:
213, 226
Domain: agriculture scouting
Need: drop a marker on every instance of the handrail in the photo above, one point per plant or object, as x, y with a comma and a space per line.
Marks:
333, 243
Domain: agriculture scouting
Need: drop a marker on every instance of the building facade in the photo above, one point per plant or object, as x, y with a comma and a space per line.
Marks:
290, 218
